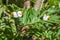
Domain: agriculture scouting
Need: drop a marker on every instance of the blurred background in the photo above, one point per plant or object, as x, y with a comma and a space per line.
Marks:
29, 19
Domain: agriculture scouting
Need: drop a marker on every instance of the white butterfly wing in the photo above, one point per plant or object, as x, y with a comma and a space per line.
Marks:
15, 15
19, 14
45, 17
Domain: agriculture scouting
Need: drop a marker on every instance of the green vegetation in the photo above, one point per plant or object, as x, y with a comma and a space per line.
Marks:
31, 25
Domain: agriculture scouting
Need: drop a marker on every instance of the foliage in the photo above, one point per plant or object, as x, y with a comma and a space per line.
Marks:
10, 27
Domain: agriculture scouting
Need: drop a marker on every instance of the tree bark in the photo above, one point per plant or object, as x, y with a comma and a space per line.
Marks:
38, 4
27, 4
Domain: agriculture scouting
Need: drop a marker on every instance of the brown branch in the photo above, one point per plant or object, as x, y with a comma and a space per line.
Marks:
27, 4
38, 4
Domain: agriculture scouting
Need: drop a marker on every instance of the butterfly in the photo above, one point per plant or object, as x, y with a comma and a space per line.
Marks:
17, 14
45, 17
